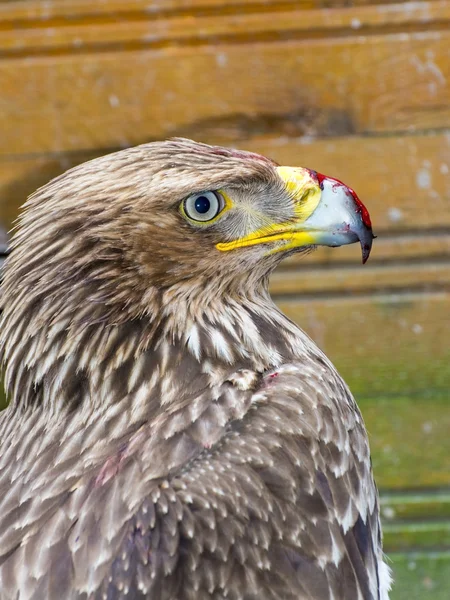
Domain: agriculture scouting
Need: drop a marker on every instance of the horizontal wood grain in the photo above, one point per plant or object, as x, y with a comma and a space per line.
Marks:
403, 180
152, 28
417, 505
45, 10
294, 87
364, 279
431, 534
410, 447
382, 344
20, 178
420, 575
36, 9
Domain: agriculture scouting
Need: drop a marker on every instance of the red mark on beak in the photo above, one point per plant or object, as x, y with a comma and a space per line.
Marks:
359, 205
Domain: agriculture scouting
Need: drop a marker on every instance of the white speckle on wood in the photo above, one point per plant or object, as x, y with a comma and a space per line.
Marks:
306, 139
388, 512
395, 214
221, 59
113, 100
432, 88
423, 179
427, 427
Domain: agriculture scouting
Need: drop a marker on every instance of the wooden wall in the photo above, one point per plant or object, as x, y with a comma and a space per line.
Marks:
359, 90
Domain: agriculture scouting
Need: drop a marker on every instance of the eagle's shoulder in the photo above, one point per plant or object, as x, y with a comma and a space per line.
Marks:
276, 501
283, 506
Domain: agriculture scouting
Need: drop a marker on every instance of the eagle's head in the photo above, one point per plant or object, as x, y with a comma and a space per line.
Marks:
172, 234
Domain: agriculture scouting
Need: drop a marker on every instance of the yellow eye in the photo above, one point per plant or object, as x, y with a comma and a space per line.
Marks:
203, 207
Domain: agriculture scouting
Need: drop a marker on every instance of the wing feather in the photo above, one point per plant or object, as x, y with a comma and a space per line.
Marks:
281, 504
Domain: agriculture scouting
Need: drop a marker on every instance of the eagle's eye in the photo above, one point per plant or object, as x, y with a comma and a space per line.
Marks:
203, 207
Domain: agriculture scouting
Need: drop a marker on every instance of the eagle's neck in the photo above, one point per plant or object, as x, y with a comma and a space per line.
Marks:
166, 389
149, 362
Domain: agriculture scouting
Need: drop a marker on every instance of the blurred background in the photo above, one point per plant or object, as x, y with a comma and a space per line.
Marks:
359, 90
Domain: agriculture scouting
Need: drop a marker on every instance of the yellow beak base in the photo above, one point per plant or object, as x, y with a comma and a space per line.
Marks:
305, 192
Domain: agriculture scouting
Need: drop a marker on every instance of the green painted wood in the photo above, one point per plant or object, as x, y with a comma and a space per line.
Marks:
416, 505
409, 438
416, 535
421, 576
381, 343
416, 520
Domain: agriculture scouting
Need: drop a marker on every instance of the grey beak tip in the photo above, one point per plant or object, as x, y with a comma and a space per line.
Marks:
366, 239
365, 249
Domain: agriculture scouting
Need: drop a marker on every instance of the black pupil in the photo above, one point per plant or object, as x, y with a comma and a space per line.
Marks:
202, 205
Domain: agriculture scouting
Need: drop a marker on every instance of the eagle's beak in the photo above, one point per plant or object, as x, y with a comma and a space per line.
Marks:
327, 213
339, 218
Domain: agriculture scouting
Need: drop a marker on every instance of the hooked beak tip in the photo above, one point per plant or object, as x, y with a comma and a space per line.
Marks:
366, 239
365, 253
366, 245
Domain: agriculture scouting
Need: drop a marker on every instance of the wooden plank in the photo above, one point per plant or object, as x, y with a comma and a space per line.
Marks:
420, 575
402, 180
382, 345
19, 10
363, 83
49, 9
419, 520
150, 27
408, 435
419, 505
403, 536
402, 248
366, 279
20, 178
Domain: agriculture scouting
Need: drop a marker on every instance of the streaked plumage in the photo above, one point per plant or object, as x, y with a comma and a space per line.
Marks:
171, 435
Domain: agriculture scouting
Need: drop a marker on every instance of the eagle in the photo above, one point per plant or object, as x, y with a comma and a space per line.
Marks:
171, 435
